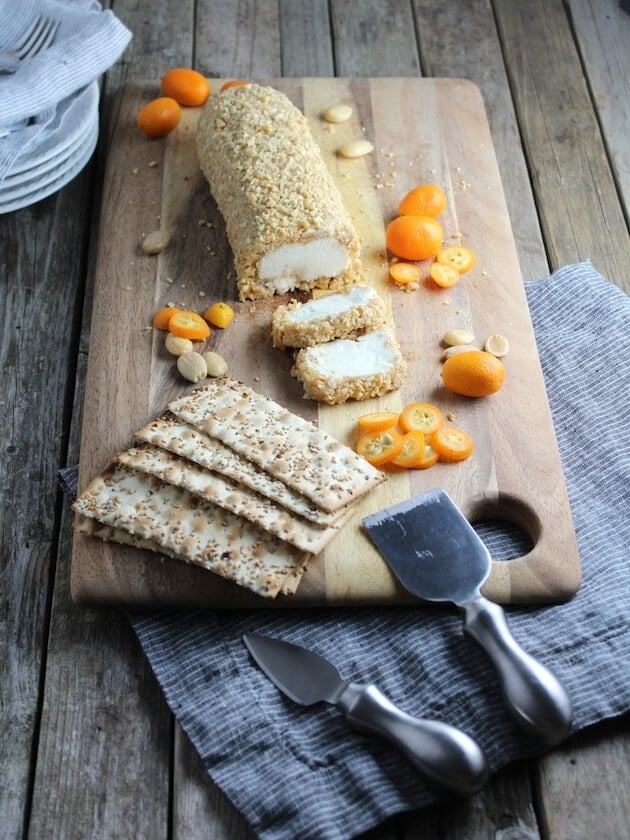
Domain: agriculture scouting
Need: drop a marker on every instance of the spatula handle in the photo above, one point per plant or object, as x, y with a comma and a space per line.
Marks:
445, 756
537, 701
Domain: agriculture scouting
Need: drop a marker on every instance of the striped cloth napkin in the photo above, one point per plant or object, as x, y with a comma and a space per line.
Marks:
297, 772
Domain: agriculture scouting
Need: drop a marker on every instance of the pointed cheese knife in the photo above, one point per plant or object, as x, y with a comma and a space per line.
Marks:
445, 756
437, 556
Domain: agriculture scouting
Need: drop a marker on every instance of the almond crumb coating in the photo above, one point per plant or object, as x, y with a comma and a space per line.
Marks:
271, 184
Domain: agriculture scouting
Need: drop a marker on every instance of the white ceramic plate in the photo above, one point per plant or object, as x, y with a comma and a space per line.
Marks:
59, 178
28, 177
72, 119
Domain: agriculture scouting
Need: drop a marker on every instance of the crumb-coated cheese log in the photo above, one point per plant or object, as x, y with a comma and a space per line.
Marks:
285, 220
351, 370
341, 315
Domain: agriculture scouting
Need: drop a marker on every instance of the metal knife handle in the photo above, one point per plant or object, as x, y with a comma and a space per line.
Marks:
535, 698
445, 756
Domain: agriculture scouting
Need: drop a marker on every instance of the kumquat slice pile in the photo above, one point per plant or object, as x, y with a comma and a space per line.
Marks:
417, 438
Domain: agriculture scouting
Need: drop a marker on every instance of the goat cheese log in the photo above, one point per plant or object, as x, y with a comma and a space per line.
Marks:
284, 217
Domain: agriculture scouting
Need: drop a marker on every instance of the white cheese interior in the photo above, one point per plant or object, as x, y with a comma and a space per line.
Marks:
303, 261
328, 305
370, 355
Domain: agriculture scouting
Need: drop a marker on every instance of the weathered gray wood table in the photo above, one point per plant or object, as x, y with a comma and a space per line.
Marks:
88, 747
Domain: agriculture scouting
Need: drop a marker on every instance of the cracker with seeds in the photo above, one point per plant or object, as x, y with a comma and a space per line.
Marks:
285, 445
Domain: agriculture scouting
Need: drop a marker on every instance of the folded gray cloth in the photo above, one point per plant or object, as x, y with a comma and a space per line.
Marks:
297, 772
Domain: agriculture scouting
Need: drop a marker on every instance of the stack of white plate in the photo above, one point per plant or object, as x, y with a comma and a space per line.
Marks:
58, 156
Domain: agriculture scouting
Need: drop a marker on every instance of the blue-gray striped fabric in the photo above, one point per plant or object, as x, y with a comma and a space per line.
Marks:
296, 772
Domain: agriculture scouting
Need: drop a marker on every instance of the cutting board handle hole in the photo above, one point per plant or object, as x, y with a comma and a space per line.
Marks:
508, 527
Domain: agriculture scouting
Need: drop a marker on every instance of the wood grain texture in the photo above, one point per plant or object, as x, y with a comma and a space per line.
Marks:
440, 27
42, 261
105, 730
602, 31
454, 143
306, 38
579, 211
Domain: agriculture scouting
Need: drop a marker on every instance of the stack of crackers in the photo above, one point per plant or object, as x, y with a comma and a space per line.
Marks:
233, 482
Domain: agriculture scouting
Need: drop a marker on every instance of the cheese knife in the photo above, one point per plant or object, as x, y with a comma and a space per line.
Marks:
445, 756
437, 556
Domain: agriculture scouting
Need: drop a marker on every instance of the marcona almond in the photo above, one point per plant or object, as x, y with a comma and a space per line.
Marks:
454, 336
192, 366
216, 364
356, 149
155, 242
457, 348
338, 113
498, 345
178, 346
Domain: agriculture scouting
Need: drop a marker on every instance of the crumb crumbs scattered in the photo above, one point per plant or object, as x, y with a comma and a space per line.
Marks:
458, 169
484, 273
148, 328
257, 379
379, 186
465, 185
170, 303
169, 279
127, 288
390, 154
183, 285
152, 163
451, 416
202, 294
201, 222
135, 170
457, 235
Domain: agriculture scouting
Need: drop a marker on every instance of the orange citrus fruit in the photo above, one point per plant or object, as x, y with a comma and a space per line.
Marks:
188, 87
473, 373
414, 237
159, 117
425, 200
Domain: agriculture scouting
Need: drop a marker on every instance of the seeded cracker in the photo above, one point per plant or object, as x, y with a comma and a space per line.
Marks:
190, 529
285, 445
284, 216
93, 528
221, 491
170, 433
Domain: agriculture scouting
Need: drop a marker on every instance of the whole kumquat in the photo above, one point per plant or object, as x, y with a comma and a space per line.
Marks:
414, 237
219, 315
159, 117
425, 200
473, 373
188, 87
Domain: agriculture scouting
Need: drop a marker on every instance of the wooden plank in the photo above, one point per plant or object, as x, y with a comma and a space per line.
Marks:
105, 733
453, 135
374, 39
41, 275
306, 38
579, 211
440, 27
602, 31
584, 785
238, 40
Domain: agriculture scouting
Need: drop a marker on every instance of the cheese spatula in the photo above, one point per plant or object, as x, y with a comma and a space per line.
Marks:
437, 556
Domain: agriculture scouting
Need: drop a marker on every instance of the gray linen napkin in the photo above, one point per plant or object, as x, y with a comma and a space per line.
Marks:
296, 772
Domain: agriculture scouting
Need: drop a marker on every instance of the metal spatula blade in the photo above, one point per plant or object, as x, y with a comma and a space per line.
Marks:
431, 547
436, 554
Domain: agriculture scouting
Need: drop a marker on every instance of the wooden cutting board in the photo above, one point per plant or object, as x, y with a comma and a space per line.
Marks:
423, 130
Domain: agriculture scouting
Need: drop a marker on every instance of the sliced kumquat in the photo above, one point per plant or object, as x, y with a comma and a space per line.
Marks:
403, 273
444, 275
412, 454
459, 257
380, 447
187, 324
452, 444
378, 421
421, 417
430, 458
219, 315
163, 316
233, 83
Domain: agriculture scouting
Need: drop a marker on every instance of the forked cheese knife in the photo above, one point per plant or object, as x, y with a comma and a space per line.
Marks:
446, 757
437, 556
